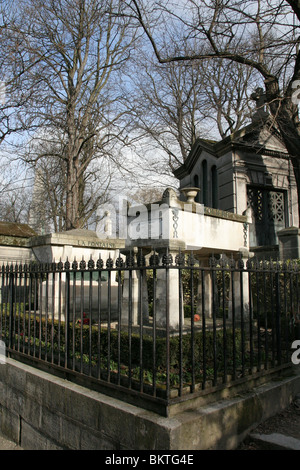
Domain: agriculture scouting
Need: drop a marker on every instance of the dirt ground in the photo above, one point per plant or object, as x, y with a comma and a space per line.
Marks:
287, 422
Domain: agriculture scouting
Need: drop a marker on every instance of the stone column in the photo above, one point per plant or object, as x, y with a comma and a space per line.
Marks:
207, 284
130, 298
135, 285
240, 289
134, 288
53, 295
167, 296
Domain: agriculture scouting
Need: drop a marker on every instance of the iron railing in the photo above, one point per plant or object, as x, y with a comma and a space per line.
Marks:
162, 327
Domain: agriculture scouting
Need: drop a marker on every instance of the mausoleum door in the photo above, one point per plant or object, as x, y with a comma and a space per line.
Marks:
268, 207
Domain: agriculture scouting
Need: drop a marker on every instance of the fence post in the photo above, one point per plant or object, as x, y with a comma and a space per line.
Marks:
277, 313
168, 281
67, 323
11, 306
241, 286
213, 264
134, 309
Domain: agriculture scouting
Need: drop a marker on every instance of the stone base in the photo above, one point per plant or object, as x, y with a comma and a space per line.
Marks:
43, 412
289, 243
265, 252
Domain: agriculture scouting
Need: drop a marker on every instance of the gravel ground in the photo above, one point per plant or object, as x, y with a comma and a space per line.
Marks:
287, 422
6, 444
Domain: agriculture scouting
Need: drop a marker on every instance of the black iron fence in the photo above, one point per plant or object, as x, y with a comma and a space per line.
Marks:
162, 327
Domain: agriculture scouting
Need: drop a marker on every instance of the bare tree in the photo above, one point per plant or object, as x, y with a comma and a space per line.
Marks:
77, 49
48, 205
259, 35
176, 103
15, 191
168, 109
16, 66
227, 94
14, 207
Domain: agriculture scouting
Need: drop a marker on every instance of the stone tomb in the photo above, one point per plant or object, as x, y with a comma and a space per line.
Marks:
14, 238
172, 225
77, 245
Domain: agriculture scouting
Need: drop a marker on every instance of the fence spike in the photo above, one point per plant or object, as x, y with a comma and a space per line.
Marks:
119, 262
99, 262
141, 258
231, 262
241, 263
130, 259
180, 259
67, 265
109, 262
82, 264
284, 266
91, 263
154, 258
212, 261
74, 264
167, 259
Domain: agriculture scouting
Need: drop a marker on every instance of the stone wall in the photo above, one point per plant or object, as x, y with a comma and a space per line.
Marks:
40, 411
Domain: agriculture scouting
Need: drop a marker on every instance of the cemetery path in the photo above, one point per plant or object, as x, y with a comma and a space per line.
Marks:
280, 432
6, 444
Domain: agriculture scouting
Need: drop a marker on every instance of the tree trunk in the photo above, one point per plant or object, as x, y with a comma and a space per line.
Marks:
72, 197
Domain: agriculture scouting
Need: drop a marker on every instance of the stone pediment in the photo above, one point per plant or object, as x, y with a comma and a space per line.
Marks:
258, 138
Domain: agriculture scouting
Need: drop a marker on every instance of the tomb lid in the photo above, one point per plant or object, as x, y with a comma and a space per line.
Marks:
12, 229
77, 237
79, 232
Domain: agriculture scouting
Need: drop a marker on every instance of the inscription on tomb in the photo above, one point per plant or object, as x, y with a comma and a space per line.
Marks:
96, 244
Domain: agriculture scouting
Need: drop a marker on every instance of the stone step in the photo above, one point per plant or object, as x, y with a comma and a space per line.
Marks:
275, 441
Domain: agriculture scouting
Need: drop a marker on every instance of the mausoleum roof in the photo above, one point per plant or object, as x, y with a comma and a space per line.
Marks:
257, 138
12, 229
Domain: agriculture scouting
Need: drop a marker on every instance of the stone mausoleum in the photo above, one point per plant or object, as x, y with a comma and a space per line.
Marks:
249, 171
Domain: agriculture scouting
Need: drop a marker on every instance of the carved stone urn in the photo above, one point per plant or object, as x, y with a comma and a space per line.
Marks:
190, 194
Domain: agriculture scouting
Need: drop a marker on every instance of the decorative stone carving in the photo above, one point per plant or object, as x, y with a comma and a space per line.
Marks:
190, 194
169, 195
